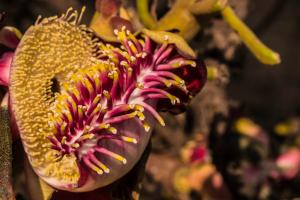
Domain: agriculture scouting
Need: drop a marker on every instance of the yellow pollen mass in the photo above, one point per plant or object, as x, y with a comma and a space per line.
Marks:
48, 54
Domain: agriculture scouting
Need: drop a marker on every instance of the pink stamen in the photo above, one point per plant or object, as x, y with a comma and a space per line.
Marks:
89, 164
111, 154
121, 118
94, 103
152, 84
118, 109
159, 51
164, 54
168, 75
128, 92
154, 96
164, 67
98, 163
155, 90
153, 112
151, 78
148, 45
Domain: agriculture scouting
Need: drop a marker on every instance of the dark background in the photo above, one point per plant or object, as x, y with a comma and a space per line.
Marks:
268, 94
271, 94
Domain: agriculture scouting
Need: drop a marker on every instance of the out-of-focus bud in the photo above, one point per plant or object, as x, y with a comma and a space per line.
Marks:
5, 63
289, 163
108, 8
10, 36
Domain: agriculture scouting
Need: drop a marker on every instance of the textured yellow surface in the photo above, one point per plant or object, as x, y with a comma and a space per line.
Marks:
52, 49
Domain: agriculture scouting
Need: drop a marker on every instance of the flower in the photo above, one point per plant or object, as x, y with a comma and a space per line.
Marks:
85, 108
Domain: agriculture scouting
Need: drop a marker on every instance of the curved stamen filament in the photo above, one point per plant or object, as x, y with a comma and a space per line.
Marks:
99, 164
169, 75
161, 92
92, 166
151, 78
119, 109
111, 154
165, 54
153, 112
121, 118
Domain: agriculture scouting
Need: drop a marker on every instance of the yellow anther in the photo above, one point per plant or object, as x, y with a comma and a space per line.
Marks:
141, 116
97, 80
132, 58
132, 47
63, 126
88, 85
80, 112
104, 126
63, 140
96, 169
131, 106
129, 139
101, 165
139, 108
117, 157
106, 94
75, 145
146, 126
69, 116
73, 104
96, 99
86, 136
96, 110
113, 130
140, 85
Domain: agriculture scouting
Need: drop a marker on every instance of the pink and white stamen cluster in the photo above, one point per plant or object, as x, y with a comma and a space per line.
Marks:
128, 84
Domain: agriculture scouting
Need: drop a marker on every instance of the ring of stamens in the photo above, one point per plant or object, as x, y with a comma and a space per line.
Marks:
113, 91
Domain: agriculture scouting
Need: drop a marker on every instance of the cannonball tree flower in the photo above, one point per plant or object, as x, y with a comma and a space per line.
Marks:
85, 108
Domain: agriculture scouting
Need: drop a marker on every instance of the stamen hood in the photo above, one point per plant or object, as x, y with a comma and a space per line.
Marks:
85, 108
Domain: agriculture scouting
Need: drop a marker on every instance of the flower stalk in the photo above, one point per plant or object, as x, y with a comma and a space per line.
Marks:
263, 53
181, 17
144, 14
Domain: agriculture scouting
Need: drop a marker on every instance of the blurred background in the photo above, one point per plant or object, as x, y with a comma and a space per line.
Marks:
238, 133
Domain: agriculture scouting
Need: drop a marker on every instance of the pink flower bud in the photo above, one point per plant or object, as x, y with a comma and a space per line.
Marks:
5, 63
